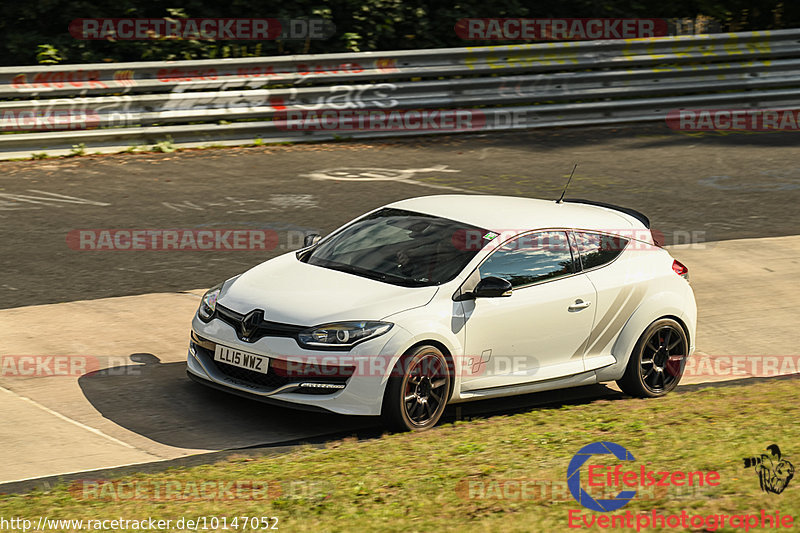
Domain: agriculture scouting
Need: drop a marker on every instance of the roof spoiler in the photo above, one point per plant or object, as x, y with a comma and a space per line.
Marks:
632, 212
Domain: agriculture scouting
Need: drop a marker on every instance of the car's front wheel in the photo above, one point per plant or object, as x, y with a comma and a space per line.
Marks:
417, 391
658, 360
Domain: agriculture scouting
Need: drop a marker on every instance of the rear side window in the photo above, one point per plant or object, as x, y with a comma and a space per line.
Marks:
597, 249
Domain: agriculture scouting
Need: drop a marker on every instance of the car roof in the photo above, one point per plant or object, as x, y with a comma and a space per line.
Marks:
512, 213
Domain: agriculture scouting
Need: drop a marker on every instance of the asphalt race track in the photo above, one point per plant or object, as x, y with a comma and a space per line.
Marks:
707, 188
140, 407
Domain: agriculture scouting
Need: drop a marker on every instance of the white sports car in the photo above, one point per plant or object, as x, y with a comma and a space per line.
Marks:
443, 299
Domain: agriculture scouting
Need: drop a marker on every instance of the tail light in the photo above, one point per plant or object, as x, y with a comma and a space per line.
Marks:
680, 269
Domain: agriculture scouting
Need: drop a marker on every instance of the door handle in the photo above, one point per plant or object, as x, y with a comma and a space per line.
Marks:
579, 304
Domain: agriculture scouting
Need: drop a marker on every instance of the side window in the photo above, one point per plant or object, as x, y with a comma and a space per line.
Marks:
530, 259
597, 249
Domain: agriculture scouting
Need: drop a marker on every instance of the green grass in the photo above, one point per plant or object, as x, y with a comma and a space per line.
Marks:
78, 150
414, 481
165, 147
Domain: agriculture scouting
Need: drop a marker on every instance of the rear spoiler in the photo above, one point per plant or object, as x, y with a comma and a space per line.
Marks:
632, 212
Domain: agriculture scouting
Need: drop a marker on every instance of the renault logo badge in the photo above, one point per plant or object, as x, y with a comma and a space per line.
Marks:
250, 323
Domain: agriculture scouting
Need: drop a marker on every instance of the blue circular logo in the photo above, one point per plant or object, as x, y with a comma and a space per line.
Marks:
574, 477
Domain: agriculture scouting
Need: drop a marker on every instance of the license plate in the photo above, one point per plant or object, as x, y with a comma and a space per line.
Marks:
248, 361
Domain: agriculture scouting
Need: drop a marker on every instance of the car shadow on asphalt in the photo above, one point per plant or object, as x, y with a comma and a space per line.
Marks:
158, 401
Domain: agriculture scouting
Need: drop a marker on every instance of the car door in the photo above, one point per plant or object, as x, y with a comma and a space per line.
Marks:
540, 331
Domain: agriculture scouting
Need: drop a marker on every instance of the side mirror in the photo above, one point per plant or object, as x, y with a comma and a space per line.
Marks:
311, 239
492, 287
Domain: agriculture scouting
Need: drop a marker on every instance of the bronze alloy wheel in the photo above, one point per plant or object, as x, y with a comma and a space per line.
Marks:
418, 390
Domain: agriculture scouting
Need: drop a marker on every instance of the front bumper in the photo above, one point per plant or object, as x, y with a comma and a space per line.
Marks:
243, 394
350, 383
279, 378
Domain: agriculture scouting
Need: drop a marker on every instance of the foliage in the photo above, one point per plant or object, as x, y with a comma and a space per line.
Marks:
47, 54
37, 32
78, 150
165, 147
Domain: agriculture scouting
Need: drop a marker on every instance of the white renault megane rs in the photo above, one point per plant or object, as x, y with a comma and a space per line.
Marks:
442, 299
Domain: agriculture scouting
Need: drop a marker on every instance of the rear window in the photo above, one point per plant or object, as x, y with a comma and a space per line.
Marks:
597, 249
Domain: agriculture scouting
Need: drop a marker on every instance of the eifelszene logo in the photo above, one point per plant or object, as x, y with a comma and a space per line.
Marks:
774, 472
574, 477
612, 477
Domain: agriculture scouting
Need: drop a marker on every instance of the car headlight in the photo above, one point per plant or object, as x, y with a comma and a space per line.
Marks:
208, 303
341, 334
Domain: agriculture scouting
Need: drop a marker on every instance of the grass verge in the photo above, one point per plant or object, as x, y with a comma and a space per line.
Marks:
462, 475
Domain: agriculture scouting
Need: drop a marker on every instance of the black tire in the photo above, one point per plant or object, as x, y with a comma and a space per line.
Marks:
658, 360
418, 390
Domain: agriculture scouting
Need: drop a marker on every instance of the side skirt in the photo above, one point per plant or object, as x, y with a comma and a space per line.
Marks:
576, 380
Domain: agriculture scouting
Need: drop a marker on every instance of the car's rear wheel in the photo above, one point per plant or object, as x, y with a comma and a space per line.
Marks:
417, 391
658, 360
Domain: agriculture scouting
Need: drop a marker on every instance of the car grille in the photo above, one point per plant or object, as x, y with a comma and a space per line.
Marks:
270, 379
276, 376
264, 329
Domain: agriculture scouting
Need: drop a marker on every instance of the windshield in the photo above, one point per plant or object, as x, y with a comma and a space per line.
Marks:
401, 247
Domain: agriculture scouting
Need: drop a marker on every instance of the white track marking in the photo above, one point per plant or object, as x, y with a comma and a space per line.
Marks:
372, 173
68, 199
9, 201
275, 203
382, 174
435, 186
67, 419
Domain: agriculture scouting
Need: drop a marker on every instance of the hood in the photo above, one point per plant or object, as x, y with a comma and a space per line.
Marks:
293, 292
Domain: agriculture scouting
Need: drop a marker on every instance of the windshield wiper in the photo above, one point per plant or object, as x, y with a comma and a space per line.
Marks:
371, 274
350, 269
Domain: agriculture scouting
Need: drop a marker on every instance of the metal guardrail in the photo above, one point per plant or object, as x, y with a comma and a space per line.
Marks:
235, 101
